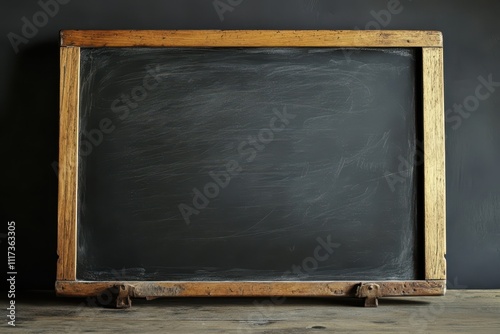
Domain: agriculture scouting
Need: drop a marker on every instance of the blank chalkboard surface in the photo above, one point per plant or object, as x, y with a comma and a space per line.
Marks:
242, 164
197, 163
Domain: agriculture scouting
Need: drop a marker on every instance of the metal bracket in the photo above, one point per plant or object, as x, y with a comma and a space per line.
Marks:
371, 292
123, 296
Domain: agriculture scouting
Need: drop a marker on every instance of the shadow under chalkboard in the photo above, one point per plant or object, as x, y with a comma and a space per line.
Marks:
249, 164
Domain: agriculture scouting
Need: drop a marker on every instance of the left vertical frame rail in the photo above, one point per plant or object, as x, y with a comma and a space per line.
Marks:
68, 162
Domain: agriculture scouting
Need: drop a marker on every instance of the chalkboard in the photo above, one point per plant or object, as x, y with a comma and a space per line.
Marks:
251, 163
237, 163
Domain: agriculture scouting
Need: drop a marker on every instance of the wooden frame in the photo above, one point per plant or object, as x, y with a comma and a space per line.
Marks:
430, 42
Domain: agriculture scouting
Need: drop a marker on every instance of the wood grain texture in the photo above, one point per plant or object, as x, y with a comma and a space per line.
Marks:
251, 38
68, 162
460, 311
434, 164
434, 161
250, 289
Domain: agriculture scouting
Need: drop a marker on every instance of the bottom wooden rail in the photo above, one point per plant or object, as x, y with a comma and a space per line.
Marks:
369, 290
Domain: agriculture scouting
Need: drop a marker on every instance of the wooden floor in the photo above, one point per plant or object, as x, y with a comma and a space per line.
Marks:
460, 311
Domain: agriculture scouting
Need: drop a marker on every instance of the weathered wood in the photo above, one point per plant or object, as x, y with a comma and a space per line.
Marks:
370, 292
68, 162
251, 38
460, 311
251, 289
434, 164
123, 296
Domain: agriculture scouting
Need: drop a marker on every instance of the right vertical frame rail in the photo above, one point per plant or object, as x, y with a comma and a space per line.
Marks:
434, 164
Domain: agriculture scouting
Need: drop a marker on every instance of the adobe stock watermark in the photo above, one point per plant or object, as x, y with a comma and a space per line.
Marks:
122, 107
381, 19
405, 167
92, 305
30, 27
322, 252
223, 6
471, 103
11, 273
421, 319
247, 150
482, 92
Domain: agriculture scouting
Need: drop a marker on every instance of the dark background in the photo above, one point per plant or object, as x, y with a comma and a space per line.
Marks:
29, 109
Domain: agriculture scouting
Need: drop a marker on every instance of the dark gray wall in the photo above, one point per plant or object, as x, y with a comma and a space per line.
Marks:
29, 108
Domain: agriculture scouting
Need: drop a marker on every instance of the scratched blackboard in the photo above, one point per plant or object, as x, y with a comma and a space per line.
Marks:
249, 164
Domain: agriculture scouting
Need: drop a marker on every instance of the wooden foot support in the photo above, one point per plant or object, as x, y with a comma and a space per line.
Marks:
123, 296
370, 292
